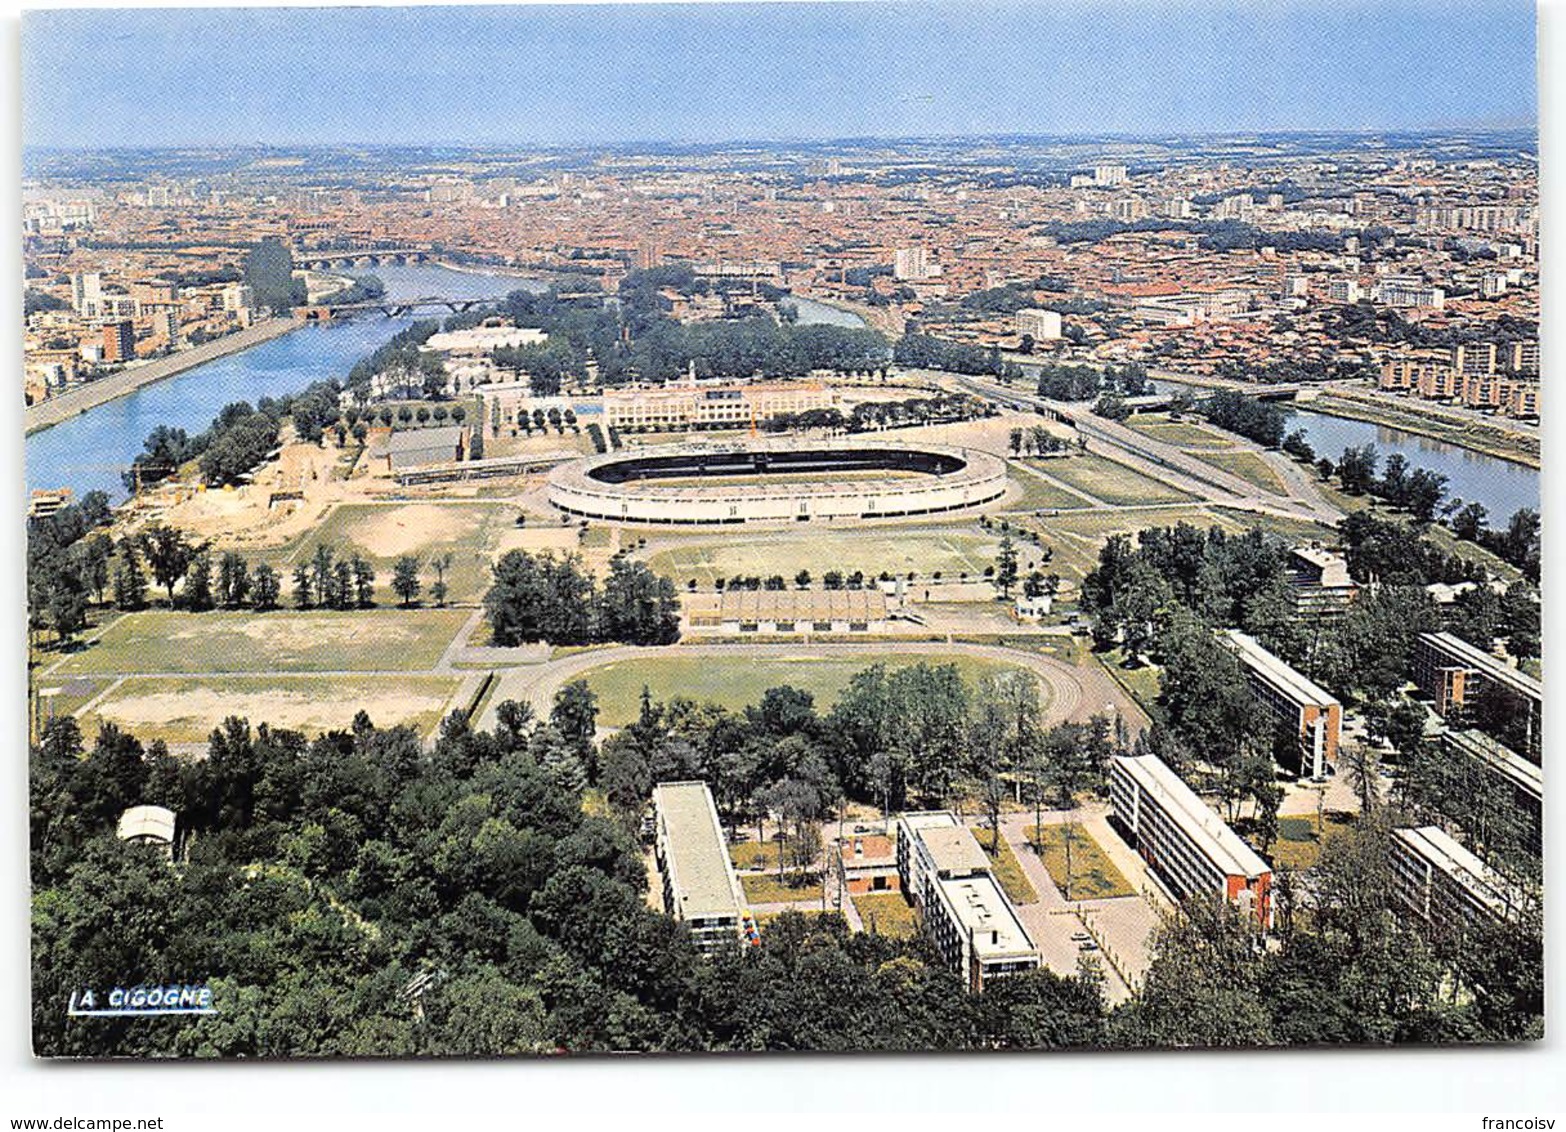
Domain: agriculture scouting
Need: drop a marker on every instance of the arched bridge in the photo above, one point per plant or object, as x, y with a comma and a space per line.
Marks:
327, 259
395, 308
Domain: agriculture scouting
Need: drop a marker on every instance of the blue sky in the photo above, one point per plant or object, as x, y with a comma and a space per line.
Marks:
607, 73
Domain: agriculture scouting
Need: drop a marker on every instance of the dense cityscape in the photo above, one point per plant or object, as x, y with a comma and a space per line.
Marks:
998, 594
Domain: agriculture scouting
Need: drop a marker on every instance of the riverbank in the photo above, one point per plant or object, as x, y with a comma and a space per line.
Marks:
76, 401
1513, 447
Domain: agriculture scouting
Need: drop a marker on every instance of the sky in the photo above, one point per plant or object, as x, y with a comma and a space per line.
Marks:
724, 72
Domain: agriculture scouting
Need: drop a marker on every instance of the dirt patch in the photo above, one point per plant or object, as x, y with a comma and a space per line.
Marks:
197, 710
394, 531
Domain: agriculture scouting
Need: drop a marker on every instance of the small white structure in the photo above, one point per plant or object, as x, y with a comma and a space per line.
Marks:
148, 825
479, 340
1033, 608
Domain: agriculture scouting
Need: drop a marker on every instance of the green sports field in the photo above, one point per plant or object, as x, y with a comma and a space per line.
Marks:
923, 550
742, 681
159, 641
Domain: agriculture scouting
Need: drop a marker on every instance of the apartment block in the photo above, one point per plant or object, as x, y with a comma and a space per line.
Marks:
947, 876
1468, 685
693, 406
700, 888
1295, 702
1188, 845
1514, 774
1442, 884
1042, 325
1320, 582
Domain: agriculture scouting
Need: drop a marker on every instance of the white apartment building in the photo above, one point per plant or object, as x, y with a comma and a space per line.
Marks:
1444, 885
700, 888
912, 264
1184, 842
1043, 325
691, 405
967, 915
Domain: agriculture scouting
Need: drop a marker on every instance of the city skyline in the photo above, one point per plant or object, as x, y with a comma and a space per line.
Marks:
638, 74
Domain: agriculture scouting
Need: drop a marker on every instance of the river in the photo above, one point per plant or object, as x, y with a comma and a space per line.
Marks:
90, 451
1500, 485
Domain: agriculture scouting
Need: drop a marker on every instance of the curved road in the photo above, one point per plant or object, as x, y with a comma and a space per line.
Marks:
1074, 693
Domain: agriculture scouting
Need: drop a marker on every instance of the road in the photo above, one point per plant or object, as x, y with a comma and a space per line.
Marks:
75, 401
1169, 463
1072, 693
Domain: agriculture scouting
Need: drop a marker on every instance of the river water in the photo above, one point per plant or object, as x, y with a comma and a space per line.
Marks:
1500, 485
91, 450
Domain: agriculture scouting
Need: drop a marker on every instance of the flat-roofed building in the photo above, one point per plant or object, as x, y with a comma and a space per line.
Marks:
1041, 325
1523, 779
1470, 686
947, 875
1321, 582
1437, 881
700, 888
695, 406
866, 862
1180, 837
765, 612
416, 447
1294, 701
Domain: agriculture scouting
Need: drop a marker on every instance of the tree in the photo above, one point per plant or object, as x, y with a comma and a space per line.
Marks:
266, 588
441, 563
1006, 566
405, 580
574, 715
169, 554
1204, 985
198, 583
234, 582
363, 581
130, 587
302, 586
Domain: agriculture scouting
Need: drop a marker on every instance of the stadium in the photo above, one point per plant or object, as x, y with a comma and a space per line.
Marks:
777, 483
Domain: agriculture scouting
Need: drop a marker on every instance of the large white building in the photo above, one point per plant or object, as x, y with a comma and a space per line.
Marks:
1186, 844
700, 888
911, 264
1041, 325
948, 877
691, 405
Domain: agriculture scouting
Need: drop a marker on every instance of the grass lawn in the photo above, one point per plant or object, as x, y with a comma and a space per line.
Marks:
618, 685
1093, 874
923, 550
160, 641
1300, 838
1142, 681
886, 913
765, 918
753, 854
1102, 524
765, 888
1113, 482
1038, 494
185, 710
1249, 466
1186, 434
68, 695
1299, 530
1007, 870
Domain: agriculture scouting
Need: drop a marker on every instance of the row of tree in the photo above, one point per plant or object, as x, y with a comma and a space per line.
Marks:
545, 597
